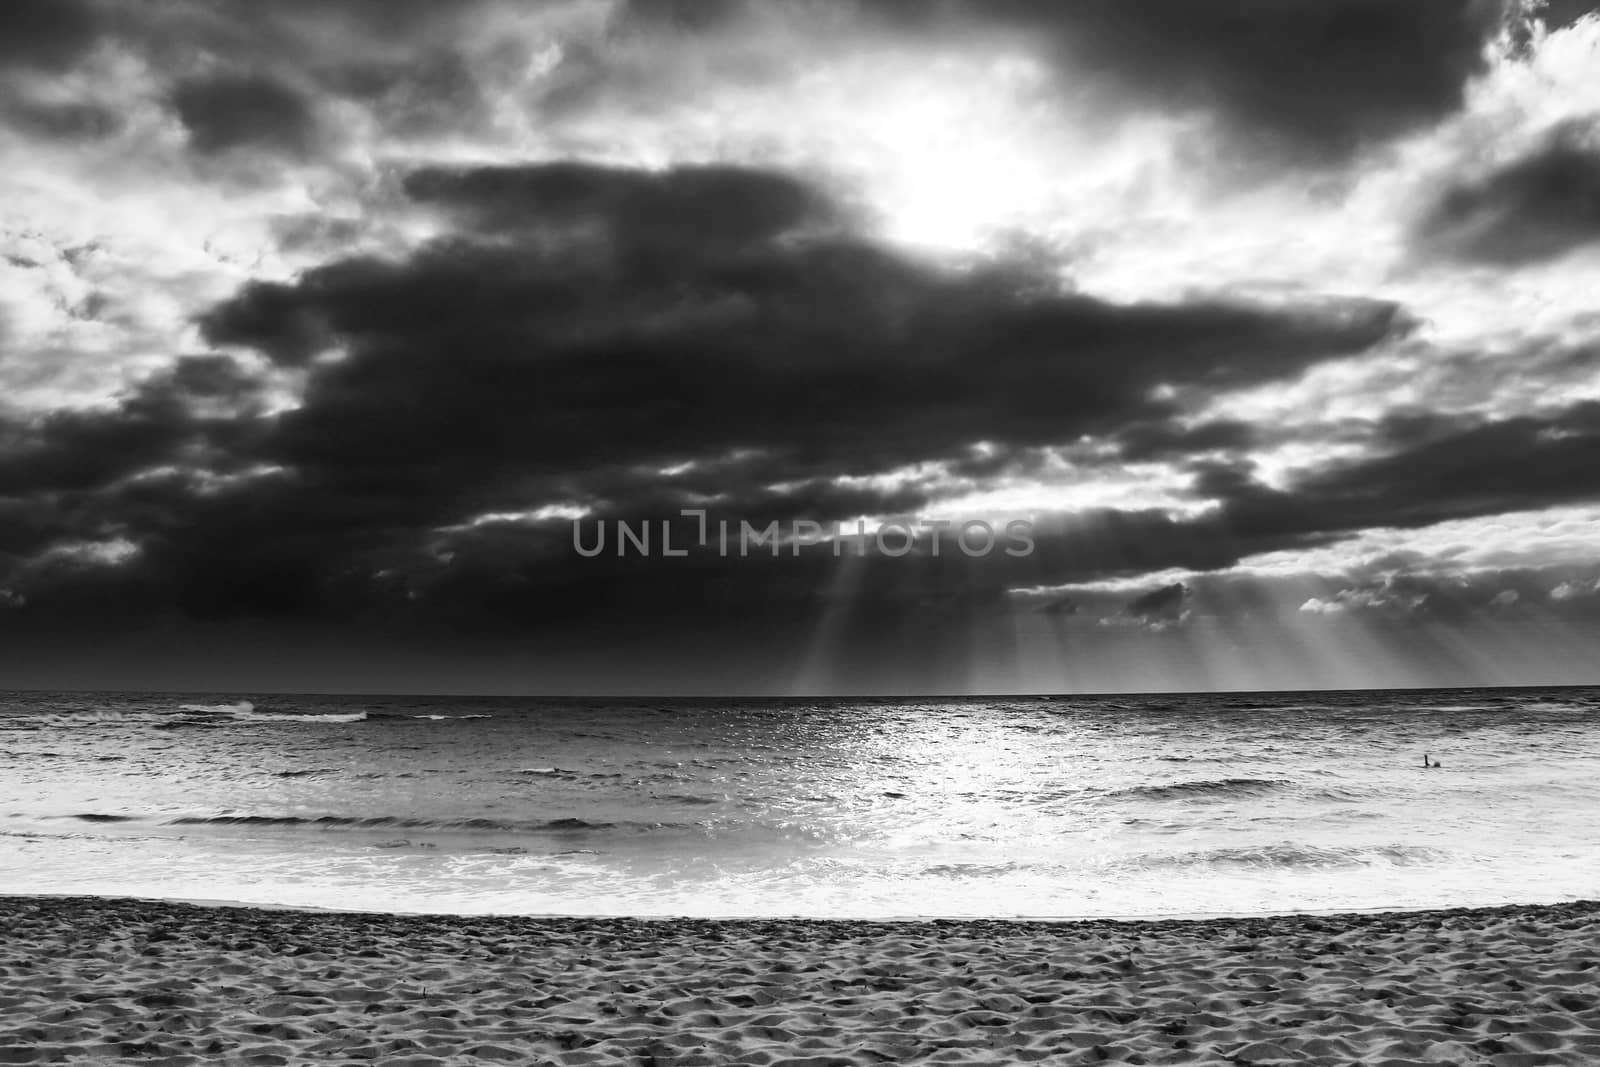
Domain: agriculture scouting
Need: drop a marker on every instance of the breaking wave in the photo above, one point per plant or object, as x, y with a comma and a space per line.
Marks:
1206, 788
399, 822
243, 707
1297, 855
401, 716
246, 711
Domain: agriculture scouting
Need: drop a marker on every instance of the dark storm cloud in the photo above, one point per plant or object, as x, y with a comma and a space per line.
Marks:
1156, 440
1503, 465
587, 327
1325, 74
28, 525
306, 548
421, 76
1317, 76
501, 574
64, 476
684, 14
634, 342
1059, 605
1558, 14
684, 314
73, 450
1165, 606
744, 489
1423, 469
230, 111
272, 318
67, 121
1537, 207
45, 35
1436, 470
1314, 76
579, 336
691, 211
262, 66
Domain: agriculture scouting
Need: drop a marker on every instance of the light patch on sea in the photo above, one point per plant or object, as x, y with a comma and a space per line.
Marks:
1044, 808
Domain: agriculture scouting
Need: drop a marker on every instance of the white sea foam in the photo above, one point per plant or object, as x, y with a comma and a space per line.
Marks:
245, 711
243, 707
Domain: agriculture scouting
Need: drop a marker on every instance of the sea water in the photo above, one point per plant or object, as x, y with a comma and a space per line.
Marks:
1042, 807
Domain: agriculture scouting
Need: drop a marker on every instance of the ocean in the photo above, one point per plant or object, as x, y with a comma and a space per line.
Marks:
1049, 807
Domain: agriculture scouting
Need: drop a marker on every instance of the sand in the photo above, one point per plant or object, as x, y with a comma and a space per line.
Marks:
97, 980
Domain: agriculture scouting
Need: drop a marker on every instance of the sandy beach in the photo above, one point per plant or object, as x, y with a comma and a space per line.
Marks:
96, 980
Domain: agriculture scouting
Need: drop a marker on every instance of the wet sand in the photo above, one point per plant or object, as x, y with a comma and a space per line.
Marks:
98, 980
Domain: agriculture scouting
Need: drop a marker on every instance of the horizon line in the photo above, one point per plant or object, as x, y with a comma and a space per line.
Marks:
1019, 695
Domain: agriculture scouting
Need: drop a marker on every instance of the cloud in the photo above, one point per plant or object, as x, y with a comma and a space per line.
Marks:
686, 314
161, 418
1575, 590
45, 35
243, 74
1164, 439
1542, 205
626, 342
1317, 77
1429, 471
1060, 605
1160, 608
229, 111
1426, 595
1323, 75
687, 211
498, 265
1557, 14
1394, 596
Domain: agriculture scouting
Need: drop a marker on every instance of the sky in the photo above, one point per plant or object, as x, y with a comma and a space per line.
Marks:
323, 325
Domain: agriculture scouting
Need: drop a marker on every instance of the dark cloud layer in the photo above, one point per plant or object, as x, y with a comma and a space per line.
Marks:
360, 547
1540, 206
685, 315
696, 210
1323, 74
1431, 471
158, 423
1318, 77
241, 74
1557, 14
639, 342
633, 342
230, 111
45, 34
1160, 607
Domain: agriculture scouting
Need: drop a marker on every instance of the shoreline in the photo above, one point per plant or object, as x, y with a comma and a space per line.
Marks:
87, 978
1043, 920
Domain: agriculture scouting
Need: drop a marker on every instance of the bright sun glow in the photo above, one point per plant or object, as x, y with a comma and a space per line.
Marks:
952, 170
